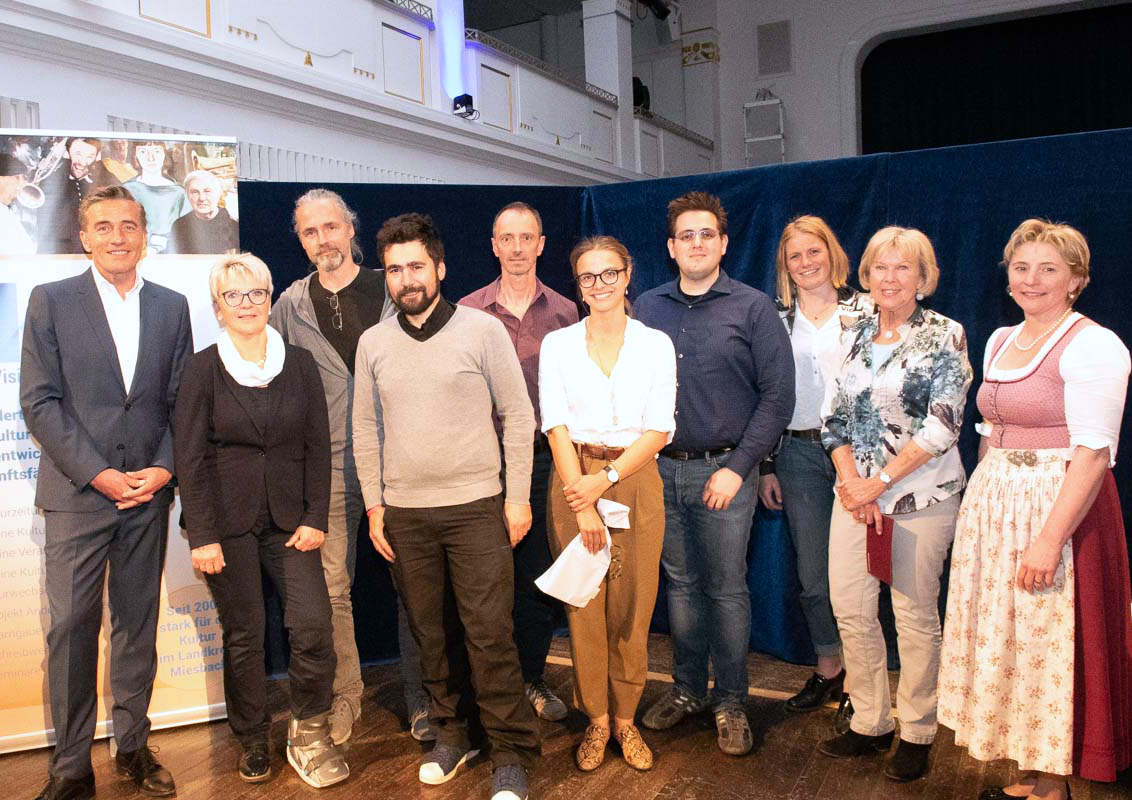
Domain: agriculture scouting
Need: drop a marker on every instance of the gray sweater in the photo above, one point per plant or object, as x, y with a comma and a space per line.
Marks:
423, 430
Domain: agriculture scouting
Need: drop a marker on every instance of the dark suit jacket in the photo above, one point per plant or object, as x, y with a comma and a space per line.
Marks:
72, 395
226, 462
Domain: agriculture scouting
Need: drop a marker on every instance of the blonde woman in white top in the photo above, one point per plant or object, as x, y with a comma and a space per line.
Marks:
608, 394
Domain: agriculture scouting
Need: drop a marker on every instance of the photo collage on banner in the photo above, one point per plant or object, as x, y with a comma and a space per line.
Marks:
187, 186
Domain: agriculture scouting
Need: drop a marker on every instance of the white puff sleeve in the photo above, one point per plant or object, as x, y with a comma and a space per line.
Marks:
1095, 367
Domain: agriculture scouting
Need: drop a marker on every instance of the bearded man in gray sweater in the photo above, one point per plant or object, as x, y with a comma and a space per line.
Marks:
428, 458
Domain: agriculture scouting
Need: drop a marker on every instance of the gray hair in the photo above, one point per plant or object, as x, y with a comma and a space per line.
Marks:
347, 214
198, 174
235, 264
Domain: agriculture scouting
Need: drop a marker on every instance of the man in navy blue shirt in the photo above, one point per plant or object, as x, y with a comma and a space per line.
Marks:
734, 397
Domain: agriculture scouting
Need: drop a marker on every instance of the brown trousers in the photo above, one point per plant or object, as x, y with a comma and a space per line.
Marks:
609, 637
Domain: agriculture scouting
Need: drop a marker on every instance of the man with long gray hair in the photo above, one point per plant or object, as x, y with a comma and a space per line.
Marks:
326, 312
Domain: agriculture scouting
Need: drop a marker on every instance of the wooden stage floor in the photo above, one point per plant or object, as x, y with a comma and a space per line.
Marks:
383, 758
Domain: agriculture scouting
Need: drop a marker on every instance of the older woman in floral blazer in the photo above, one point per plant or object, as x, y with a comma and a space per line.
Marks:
892, 413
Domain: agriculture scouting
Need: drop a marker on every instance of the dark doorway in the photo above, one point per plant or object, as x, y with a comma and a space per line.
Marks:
1053, 74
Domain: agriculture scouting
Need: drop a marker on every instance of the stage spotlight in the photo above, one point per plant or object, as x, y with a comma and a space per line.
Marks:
462, 107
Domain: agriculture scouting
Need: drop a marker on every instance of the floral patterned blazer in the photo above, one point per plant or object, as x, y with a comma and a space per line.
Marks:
917, 394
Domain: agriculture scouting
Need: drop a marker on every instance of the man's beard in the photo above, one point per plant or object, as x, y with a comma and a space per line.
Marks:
419, 299
330, 260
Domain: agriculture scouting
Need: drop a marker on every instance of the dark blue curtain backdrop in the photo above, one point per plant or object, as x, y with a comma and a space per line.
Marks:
966, 199
1053, 74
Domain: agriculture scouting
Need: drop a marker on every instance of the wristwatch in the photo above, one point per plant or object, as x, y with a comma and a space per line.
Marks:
885, 478
611, 472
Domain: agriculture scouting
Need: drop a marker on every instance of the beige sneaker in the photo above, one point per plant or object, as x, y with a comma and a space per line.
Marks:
343, 715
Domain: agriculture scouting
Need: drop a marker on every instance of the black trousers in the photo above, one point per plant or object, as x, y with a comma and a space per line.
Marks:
79, 548
536, 613
454, 572
238, 592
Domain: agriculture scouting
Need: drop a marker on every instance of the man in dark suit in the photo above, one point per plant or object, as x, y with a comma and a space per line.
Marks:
102, 358
81, 173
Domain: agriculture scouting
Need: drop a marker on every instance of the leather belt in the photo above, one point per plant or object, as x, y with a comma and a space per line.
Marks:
811, 435
598, 451
694, 455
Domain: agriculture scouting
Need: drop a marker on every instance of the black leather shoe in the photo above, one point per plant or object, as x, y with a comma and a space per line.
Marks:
852, 744
150, 777
909, 762
254, 765
68, 788
817, 692
844, 716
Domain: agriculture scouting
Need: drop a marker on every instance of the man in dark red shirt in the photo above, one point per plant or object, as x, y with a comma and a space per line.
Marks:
529, 310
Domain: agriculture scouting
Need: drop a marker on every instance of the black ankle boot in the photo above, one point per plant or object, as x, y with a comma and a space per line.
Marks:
852, 744
909, 762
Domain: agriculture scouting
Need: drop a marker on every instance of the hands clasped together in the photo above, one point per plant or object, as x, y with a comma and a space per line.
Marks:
859, 495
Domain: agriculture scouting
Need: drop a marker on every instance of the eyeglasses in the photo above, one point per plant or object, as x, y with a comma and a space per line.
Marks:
336, 317
707, 234
234, 297
587, 279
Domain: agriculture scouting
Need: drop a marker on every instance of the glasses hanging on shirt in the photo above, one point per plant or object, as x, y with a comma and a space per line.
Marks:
336, 317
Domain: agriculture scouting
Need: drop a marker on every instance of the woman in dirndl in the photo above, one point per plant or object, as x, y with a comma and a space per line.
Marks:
1037, 652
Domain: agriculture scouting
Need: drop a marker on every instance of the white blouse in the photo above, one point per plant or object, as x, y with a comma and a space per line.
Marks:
1094, 366
639, 394
811, 345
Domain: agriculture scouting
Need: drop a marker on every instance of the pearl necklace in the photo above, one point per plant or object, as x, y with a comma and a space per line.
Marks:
1044, 334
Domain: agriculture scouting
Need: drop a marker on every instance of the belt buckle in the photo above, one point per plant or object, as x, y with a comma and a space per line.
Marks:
1022, 458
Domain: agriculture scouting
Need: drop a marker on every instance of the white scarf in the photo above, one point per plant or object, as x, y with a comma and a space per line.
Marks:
247, 373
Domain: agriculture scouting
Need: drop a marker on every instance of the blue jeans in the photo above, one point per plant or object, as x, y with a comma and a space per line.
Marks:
806, 476
705, 561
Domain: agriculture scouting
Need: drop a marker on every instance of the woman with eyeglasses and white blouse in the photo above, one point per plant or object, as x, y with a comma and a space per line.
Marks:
607, 390
251, 446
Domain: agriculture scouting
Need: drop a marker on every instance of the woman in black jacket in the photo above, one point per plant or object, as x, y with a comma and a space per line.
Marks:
252, 454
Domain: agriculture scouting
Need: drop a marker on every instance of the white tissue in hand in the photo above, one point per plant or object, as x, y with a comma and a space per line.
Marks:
575, 576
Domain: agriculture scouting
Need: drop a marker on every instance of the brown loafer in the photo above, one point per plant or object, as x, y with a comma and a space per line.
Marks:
633, 748
591, 751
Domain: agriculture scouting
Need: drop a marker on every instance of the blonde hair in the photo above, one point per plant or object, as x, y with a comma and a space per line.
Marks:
815, 226
910, 243
237, 265
1065, 239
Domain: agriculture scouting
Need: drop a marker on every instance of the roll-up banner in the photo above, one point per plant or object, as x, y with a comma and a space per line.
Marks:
187, 185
